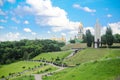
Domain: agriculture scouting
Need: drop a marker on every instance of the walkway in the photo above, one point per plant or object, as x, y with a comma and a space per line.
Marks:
39, 76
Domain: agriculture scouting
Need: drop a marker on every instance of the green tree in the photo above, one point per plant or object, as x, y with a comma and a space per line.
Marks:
72, 41
117, 38
84, 38
103, 39
109, 36
89, 38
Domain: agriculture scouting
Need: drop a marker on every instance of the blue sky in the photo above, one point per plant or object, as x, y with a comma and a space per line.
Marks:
41, 19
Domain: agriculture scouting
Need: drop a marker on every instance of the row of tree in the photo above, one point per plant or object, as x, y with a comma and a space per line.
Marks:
26, 49
108, 38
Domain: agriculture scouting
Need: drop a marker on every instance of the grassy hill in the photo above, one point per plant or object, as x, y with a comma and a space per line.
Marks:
98, 70
6, 70
76, 45
52, 55
90, 54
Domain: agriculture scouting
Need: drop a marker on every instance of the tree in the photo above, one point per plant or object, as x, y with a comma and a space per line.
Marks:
89, 38
109, 36
117, 38
103, 39
84, 38
72, 41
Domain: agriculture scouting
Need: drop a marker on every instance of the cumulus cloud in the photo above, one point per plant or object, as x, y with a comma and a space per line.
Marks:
1, 27
63, 34
48, 32
48, 15
1, 3
86, 9
15, 20
109, 15
1, 12
27, 30
33, 33
10, 36
115, 27
2, 20
11, 1
26, 22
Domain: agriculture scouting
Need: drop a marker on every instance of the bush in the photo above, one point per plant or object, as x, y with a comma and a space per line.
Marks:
114, 46
103, 47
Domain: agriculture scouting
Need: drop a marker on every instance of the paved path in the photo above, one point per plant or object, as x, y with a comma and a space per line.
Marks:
39, 76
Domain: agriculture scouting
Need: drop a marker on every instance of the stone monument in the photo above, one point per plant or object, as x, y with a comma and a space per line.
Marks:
97, 37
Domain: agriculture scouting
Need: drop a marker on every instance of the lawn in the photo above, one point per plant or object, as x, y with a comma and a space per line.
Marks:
76, 45
86, 55
16, 67
51, 56
98, 70
30, 77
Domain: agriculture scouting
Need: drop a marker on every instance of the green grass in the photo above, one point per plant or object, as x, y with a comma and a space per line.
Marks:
16, 67
54, 55
44, 69
86, 55
113, 53
98, 70
25, 78
76, 45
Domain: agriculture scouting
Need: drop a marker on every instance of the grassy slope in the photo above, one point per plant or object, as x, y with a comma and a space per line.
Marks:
102, 70
16, 67
76, 45
25, 78
50, 55
113, 53
86, 55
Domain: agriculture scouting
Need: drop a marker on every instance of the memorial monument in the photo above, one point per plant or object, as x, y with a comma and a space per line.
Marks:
97, 37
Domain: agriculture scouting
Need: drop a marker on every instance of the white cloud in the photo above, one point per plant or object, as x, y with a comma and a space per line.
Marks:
87, 9
2, 20
27, 30
115, 27
13, 35
15, 20
1, 3
48, 32
13, 27
48, 15
26, 22
11, 1
90, 28
33, 33
1, 12
1, 27
63, 34
109, 15
76, 6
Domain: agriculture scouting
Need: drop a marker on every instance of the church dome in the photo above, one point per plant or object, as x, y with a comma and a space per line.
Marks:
80, 25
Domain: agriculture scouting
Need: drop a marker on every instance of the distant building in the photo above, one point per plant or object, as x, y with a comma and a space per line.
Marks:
80, 32
61, 39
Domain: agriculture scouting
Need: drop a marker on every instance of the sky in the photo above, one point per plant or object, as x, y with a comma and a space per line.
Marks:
43, 19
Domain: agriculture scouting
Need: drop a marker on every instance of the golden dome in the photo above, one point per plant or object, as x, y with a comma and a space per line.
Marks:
80, 25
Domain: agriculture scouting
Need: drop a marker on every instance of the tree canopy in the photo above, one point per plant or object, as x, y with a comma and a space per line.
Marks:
26, 49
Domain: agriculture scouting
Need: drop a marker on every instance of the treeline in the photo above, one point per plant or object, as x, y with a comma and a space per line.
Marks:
106, 39
26, 49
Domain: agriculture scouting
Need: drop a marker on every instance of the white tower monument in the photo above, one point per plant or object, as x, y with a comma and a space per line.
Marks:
97, 37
